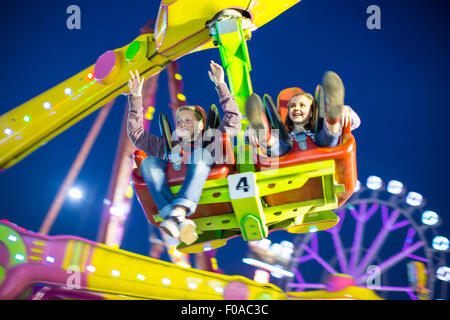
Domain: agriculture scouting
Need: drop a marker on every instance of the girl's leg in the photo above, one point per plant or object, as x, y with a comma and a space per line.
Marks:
153, 171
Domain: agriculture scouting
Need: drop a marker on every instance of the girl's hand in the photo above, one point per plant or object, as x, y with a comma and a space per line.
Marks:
345, 117
253, 138
135, 84
217, 75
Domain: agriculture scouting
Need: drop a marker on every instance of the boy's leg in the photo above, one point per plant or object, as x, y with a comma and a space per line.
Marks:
196, 175
153, 171
189, 195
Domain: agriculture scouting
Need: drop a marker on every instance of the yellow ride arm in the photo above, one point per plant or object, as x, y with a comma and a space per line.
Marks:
181, 28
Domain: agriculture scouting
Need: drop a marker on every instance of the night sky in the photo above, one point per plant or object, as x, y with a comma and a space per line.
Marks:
396, 78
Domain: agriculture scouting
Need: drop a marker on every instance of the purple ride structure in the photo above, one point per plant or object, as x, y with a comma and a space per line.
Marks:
386, 240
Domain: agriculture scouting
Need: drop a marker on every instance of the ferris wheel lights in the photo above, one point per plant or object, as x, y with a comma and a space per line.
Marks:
357, 186
440, 243
443, 273
414, 199
47, 105
395, 187
430, 218
312, 229
374, 182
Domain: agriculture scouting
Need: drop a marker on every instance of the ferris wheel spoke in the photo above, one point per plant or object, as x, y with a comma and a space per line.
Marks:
400, 224
379, 241
383, 266
319, 259
298, 276
340, 252
357, 239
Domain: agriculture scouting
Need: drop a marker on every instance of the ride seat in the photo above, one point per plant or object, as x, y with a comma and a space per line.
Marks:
176, 177
344, 155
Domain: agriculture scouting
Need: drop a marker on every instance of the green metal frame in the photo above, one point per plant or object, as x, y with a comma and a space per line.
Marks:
304, 216
251, 217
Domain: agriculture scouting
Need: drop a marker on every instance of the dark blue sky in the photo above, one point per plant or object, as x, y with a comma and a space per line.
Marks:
396, 78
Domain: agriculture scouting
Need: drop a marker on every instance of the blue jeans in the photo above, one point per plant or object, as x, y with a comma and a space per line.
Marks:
153, 171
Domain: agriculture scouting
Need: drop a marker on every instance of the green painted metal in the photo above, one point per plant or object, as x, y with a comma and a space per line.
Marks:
231, 40
15, 247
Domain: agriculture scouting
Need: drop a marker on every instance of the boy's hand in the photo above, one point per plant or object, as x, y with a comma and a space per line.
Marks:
217, 75
135, 84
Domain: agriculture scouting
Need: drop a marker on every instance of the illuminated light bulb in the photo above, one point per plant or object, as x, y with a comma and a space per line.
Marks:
115, 211
68, 91
27, 118
178, 76
276, 275
443, 273
47, 105
219, 290
374, 182
115, 273
7, 131
440, 243
357, 186
207, 247
75, 193
312, 229
90, 268
90, 75
129, 193
12, 238
414, 199
395, 187
50, 259
140, 277
261, 276
20, 257
166, 281
192, 285
264, 243
276, 249
181, 97
430, 218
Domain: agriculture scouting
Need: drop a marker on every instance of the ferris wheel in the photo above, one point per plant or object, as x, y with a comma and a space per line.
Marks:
387, 240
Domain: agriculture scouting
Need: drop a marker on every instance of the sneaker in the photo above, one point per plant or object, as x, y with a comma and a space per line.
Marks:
254, 110
334, 93
187, 231
170, 226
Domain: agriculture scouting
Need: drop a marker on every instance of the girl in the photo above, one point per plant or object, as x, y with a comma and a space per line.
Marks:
190, 122
299, 119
